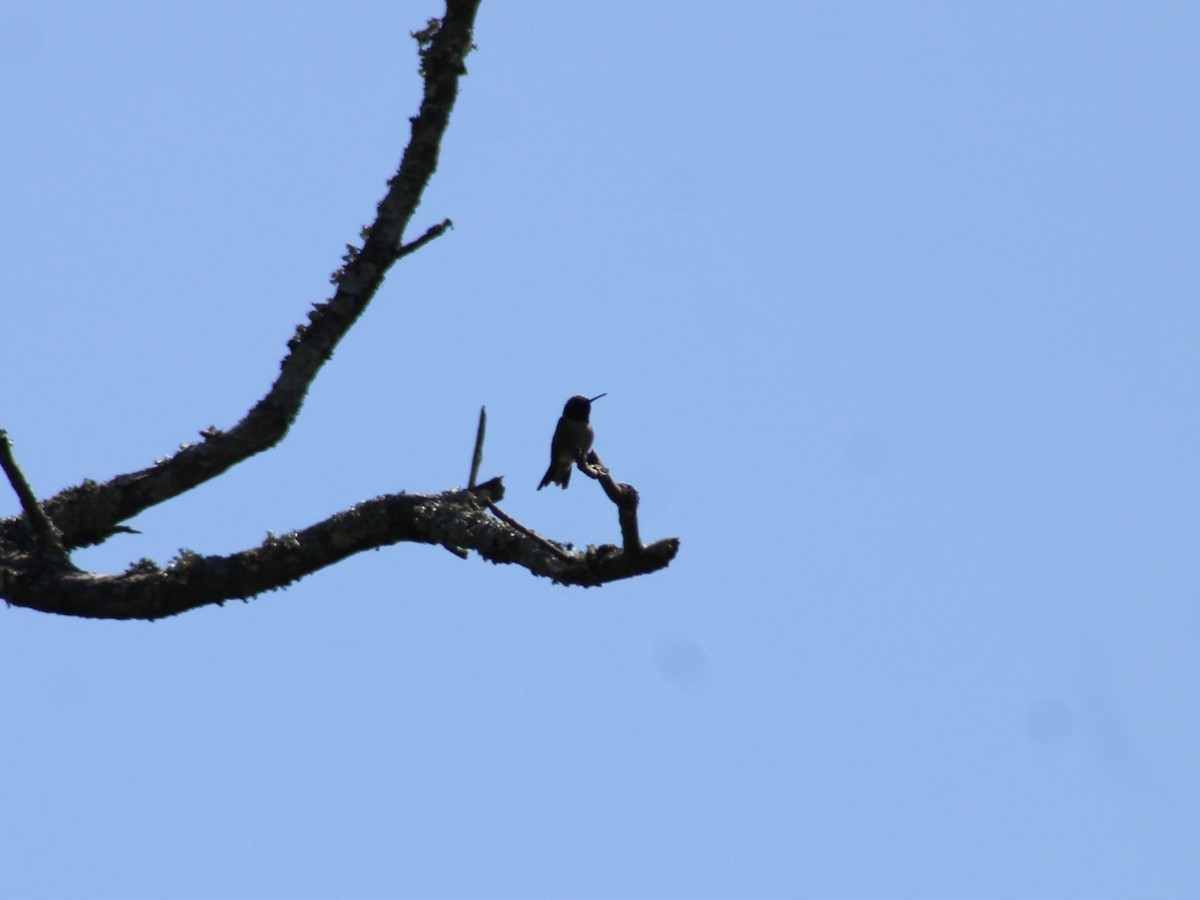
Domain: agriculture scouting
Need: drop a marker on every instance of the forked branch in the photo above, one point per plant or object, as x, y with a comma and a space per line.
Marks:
87, 514
35, 567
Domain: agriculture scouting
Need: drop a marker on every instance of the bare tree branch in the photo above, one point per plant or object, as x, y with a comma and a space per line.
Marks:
87, 514
36, 571
456, 518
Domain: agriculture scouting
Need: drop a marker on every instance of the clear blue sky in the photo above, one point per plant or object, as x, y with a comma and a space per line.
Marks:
896, 309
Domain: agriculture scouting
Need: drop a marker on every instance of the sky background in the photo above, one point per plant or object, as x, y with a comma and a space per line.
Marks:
896, 309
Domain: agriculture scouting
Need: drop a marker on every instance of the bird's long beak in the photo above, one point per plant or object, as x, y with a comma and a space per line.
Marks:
597, 397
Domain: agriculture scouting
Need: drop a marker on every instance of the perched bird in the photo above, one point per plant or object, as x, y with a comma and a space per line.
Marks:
572, 440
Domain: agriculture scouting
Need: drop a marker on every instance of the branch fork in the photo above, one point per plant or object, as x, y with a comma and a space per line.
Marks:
35, 567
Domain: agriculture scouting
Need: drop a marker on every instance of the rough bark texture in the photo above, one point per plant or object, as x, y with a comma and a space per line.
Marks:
35, 567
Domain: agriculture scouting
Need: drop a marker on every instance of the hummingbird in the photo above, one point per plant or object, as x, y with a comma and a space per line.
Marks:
572, 439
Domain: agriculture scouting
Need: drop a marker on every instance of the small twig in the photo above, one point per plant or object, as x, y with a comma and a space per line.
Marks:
434, 231
625, 496
477, 458
43, 528
528, 532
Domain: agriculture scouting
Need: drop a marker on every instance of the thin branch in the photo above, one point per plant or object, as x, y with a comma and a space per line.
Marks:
477, 456
43, 529
528, 532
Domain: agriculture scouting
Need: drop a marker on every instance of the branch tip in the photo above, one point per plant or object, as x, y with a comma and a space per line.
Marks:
431, 233
477, 457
